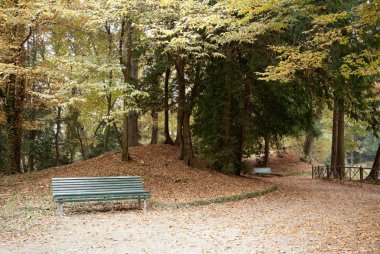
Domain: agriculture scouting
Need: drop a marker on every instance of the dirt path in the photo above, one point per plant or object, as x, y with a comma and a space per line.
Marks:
303, 216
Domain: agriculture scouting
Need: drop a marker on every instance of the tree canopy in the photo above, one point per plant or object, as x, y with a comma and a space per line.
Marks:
239, 76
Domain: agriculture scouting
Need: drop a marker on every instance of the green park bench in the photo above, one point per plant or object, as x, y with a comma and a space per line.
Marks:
86, 189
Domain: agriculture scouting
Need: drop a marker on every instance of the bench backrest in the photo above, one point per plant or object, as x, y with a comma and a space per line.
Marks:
262, 171
89, 184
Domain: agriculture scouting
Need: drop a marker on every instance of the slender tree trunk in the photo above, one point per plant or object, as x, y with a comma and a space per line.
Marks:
168, 139
187, 143
178, 138
83, 148
374, 174
107, 130
31, 138
266, 150
228, 101
180, 68
106, 138
108, 127
154, 138
58, 131
126, 28
124, 148
334, 144
31, 59
341, 153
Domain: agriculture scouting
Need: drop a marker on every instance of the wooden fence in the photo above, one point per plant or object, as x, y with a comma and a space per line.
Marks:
357, 174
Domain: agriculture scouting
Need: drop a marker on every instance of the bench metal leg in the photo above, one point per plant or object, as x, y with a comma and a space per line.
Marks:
139, 203
144, 205
60, 209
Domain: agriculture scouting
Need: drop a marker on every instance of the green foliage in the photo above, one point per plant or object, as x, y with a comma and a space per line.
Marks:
210, 117
253, 69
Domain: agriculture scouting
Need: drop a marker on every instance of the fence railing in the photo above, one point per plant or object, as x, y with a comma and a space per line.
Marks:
357, 174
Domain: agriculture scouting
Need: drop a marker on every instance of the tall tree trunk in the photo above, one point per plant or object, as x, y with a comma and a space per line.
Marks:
341, 153
338, 150
187, 142
266, 150
334, 143
126, 29
58, 131
133, 129
124, 149
168, 139
179, 65
107, 130
228, 101
31, 59
31, 138
154, 138
14, 109
178, 138
133, 116
374, 174
228, 161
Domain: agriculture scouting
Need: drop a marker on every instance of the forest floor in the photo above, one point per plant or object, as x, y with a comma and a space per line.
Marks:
302, 216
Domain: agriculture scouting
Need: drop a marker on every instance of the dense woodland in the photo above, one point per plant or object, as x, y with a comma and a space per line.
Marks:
221, 78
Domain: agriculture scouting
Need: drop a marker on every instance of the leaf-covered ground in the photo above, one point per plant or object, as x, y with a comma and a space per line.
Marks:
26, 199
302, 216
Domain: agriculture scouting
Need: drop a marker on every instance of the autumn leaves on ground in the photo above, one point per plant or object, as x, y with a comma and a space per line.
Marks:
168, 180
301, 216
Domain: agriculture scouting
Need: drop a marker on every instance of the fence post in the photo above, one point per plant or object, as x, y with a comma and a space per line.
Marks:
361, 174
328, 172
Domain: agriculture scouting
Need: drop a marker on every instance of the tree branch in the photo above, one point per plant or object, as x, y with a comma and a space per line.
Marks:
27, 38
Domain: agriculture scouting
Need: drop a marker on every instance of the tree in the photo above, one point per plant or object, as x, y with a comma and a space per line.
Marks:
22, 22
332, 40
13, 59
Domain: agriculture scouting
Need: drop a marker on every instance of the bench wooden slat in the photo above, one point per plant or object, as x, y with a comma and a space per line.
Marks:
91, 189
101, 192
73, 200
97, 186
96, 178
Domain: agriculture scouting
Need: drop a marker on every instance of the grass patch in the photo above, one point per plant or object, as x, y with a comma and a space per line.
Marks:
217, 200
299, 173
